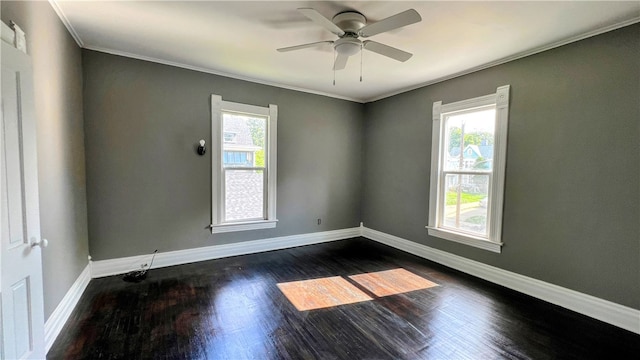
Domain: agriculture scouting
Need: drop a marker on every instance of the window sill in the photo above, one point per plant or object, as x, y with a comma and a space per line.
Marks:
243, 226
466, 239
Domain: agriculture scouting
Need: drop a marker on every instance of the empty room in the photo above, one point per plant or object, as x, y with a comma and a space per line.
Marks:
320, 180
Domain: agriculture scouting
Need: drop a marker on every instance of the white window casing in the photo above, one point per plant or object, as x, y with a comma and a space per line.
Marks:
437, 192
218, 224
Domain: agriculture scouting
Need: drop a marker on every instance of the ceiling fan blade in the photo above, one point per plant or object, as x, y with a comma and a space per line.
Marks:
387, 50
341, 62
317, 18
404, 18
304, 46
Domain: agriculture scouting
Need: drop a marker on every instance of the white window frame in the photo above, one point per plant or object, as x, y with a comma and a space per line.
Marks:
493, 241
218, 225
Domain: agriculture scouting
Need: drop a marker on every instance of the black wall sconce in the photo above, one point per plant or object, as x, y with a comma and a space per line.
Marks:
201, 148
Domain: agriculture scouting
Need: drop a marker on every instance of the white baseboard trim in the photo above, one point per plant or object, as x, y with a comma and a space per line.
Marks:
603, 310
117, 266
60, 315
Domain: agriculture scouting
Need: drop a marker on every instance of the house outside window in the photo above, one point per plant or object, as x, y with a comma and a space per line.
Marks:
238, 158
467, 170
230, 137
243, 137
244, 166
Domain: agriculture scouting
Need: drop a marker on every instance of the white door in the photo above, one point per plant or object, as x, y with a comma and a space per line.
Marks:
22, 330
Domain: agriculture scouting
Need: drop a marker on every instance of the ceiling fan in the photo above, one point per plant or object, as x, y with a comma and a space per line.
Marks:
349, 26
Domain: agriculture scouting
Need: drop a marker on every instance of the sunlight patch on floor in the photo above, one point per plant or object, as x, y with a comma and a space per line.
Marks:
391, 282
334, 291
322, 293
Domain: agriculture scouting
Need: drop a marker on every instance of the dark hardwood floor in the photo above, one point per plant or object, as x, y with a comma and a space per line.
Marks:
233, 309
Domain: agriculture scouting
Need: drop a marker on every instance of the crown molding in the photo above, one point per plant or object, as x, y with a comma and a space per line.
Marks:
66, 22
219, 73
504, 60
507, 59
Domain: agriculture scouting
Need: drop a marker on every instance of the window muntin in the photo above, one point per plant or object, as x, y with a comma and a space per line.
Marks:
468, 168
244, 166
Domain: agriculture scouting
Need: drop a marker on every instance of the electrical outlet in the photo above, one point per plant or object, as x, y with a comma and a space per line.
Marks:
319, 221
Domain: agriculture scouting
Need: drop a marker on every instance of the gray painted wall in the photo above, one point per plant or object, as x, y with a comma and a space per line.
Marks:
148, 189
57, 75
572, 196
572, 193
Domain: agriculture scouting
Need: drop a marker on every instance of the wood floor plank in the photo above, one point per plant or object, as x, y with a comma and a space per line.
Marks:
391, 282
321, 293
233, 309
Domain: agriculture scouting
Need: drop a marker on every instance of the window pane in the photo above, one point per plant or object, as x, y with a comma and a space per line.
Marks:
244, 195
230, 137
244, 139
466, 203
470, 134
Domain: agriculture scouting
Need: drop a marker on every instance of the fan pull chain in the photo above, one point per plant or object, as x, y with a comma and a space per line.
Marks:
335, 57
360, 62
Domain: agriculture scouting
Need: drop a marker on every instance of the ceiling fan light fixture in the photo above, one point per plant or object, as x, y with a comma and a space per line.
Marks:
348, 46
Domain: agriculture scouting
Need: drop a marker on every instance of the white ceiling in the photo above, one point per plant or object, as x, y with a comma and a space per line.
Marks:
239, 38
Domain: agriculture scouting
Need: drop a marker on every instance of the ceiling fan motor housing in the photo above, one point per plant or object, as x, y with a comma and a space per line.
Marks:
350, 22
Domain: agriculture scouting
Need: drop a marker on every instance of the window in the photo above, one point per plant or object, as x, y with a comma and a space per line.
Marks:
244, 166
469, 144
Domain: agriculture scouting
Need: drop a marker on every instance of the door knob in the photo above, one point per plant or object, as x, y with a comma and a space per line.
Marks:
42, 243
